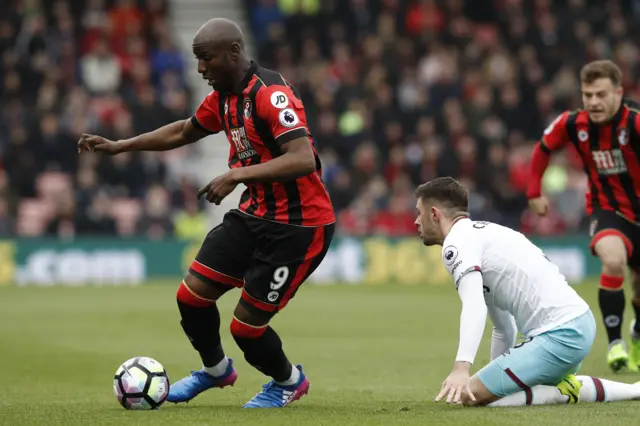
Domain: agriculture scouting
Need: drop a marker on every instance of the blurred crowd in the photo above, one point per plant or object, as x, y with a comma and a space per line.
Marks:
96, 66
396, 91
400, 91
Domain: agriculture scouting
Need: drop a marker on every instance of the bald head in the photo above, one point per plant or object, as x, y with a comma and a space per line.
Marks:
219, 32
219, 48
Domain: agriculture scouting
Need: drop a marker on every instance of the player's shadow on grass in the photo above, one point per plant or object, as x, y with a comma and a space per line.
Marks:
307, 408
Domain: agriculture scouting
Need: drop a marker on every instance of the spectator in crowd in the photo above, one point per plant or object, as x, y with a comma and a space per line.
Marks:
396, 91
400, 91
101, 66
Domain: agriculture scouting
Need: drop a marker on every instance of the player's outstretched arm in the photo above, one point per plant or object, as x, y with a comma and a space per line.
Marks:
538, 203
554, 137
296, 161
171, 136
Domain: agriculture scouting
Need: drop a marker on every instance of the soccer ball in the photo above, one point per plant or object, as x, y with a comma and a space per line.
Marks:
141, 383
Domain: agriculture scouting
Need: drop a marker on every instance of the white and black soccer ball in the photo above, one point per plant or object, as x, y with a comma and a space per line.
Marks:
141, 383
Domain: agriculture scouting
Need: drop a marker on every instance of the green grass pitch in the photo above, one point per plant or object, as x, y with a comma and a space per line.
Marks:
374, 355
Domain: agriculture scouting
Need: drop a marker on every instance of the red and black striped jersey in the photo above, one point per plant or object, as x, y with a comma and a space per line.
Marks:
610, 153
265, 115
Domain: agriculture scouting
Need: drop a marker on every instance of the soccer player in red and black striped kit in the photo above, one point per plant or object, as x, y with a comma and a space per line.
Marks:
276, 238
606, 135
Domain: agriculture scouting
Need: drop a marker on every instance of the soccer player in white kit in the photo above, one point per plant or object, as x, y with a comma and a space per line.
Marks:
500, 272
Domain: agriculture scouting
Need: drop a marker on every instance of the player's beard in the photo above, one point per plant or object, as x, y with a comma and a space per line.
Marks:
429, 240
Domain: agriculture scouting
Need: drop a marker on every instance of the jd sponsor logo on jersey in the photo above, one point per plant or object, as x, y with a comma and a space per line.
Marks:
288, 118
241, 143
279, 100
450, 255
609, 162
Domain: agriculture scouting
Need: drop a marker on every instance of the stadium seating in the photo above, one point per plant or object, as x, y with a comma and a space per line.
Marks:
428, 87
105, 67
397, 92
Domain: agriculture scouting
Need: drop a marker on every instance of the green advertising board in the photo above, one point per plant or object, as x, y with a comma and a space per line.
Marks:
369, 261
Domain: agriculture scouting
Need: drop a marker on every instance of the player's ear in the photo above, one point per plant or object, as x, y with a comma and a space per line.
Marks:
435, 213
234, 51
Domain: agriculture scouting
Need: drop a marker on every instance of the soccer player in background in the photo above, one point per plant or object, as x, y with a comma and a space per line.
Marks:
499, 271
606, 135
276, 238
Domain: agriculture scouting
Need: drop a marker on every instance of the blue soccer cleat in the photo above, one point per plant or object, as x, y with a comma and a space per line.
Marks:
199, 381
274, 395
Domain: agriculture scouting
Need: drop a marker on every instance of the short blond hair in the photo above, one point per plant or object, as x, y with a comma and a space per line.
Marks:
601, 69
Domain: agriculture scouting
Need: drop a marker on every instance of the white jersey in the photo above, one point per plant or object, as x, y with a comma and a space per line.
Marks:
517, 277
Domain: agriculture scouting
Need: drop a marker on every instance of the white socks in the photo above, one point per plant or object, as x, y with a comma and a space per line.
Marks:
219, 369
601, 390
293, 379
538, 395
593, 390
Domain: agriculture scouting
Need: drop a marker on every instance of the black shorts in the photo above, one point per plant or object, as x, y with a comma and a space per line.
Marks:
603, 223
268, 260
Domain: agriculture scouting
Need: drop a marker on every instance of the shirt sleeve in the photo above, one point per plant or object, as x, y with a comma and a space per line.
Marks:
461, 257
555, 136
207, 116
473, 316
503, 336
283, 112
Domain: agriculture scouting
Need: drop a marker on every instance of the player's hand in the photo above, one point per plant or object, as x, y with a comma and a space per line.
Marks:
219, 188
539, 206
455, 386
91, 143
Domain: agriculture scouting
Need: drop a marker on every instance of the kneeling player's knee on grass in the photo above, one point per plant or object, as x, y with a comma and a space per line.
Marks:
468, 402
482, 395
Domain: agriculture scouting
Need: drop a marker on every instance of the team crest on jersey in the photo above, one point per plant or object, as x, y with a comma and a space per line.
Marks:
622, 137
243, 147
247, 108
450, 254
226, 107
583, 135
